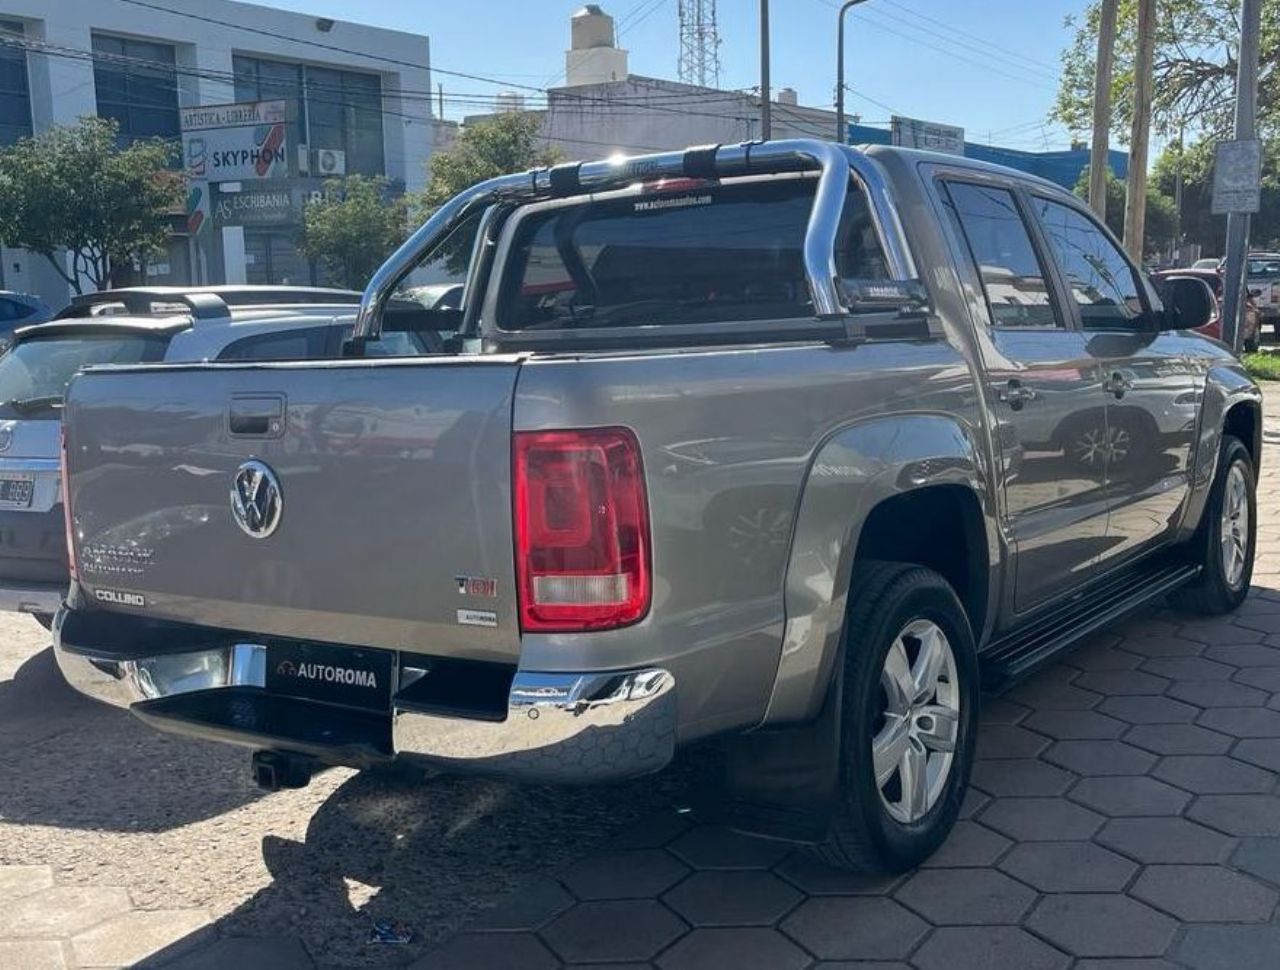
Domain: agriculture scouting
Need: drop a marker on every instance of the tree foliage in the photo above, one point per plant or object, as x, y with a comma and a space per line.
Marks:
73, 188
1199, 224
1161, 218
353, 228
1197, 45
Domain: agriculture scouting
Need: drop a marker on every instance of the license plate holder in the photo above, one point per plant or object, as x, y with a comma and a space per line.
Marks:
17, 489
350, 676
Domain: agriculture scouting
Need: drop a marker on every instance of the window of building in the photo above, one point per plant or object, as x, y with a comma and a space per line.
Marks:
137, 85
273, 258
987, 218
340, 110
15, 90
1102, 281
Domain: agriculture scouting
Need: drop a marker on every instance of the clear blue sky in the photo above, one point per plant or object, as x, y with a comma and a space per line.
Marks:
988, 65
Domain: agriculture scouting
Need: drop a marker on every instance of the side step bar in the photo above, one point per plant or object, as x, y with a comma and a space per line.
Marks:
1042, 638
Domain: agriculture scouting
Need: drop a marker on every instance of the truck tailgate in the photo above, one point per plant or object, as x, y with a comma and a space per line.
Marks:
393, 478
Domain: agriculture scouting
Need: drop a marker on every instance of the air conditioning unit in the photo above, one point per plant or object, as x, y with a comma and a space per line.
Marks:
304, 160
330, 162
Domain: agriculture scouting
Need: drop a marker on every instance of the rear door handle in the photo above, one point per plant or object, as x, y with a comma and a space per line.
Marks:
257, 415
1117, 384
1016, 394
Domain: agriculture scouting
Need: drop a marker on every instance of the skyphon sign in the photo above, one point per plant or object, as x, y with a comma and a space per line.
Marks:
235, 142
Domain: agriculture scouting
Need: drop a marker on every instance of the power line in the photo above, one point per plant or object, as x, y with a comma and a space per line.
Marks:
1042, 65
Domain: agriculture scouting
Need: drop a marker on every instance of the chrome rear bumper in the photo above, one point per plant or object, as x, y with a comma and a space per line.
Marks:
559, 727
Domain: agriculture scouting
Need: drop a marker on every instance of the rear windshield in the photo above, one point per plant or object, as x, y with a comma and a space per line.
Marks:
706, 255
1264, 267
35, 373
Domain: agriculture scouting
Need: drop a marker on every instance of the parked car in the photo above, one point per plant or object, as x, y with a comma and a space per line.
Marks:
1251, 317
1262, 277
19, 310
1210, 263
142, 325
736, 443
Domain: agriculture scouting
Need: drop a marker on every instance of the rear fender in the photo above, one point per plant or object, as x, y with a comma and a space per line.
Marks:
853, 472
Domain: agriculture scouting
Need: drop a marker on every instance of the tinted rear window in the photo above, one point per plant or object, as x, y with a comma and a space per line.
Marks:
39, 369
706, 255
1264, 267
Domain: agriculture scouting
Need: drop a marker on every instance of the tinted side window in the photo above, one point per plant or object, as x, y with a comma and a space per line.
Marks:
1102, 281
988, 220
303, 344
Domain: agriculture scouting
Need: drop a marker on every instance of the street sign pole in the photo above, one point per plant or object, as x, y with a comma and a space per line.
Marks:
1246, 130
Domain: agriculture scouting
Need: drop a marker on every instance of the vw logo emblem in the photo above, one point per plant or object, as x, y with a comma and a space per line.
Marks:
256, 499
6, 437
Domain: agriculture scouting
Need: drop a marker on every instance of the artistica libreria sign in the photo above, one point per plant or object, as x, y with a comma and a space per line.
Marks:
235, 142
914, 133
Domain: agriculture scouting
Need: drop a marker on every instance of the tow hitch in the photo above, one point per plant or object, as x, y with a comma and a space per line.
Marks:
274, 770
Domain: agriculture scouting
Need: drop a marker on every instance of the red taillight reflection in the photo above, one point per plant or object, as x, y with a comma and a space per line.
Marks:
64, 485
582, 530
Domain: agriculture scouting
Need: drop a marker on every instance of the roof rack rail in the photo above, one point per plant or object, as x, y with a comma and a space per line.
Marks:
206, 302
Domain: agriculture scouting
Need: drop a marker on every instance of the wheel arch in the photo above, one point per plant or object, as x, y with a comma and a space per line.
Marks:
1231, 404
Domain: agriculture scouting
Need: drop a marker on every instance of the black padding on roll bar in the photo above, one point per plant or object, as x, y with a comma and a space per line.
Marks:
700, 163
564, 179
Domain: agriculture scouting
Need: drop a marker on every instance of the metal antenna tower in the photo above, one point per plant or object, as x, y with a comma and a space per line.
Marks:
699, 43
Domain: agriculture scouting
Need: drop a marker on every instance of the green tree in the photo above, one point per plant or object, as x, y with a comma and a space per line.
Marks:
1199, 224
1161, 220
353, 228
1197, 43
72, 189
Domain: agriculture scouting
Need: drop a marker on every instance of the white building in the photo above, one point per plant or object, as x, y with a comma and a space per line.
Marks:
355, 98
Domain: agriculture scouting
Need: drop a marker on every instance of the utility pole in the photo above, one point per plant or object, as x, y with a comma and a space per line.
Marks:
842, 136
1135, 209
766, 113
1098, 156
1246, 129
1177, 195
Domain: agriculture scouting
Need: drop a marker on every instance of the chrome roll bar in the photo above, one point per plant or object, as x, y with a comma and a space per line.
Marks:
836, 164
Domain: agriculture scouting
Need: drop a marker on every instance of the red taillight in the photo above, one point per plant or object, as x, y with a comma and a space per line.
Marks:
64, 485
582, 530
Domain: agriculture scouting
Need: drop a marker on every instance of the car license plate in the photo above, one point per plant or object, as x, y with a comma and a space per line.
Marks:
16, 491
355, 677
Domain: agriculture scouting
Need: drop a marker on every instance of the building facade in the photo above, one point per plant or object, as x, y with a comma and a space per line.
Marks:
265, 104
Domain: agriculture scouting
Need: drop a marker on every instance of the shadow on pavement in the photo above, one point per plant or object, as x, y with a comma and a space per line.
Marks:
64, 757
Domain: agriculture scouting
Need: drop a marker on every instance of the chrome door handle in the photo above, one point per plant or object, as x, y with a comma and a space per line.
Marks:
1117, 384
1016, 394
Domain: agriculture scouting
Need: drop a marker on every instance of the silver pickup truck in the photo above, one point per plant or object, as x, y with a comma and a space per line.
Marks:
789, 445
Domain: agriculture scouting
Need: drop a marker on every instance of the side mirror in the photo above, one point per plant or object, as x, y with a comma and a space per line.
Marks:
1188, 303
1255, 293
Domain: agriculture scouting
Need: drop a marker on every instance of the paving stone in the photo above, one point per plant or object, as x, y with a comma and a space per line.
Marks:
818, 879
61, 911
1259, 857
1178, 739
1001, 711
1104, 654
1125, 965
744, 897
1244, 655
613, 931
1166, 646
1205, 894
1009, 741
1041, 819
18, 881
492, 951
1242, 815
1188, 668
529, 908
1130, 795
276, 953
1020, 776
973, 803
632, 874
1148, 710
1167, 840
964, 897
1100, 757
659, 829
1102, 925
969, 844
1266, 623
1213, 775
987, 948
1230, 947
713, 847
1043, 694
742, 949
1121, 682
130, 937
1075, 725
1068, 867
855, 928
32, 955
1242, 722
1263, 678
1218, 693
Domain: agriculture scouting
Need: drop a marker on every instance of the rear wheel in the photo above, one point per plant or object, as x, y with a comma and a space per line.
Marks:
908, 719
1224, 544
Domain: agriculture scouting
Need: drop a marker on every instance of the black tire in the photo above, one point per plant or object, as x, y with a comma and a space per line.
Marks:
864, 836
44, 619
1212, 594
1251, 345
